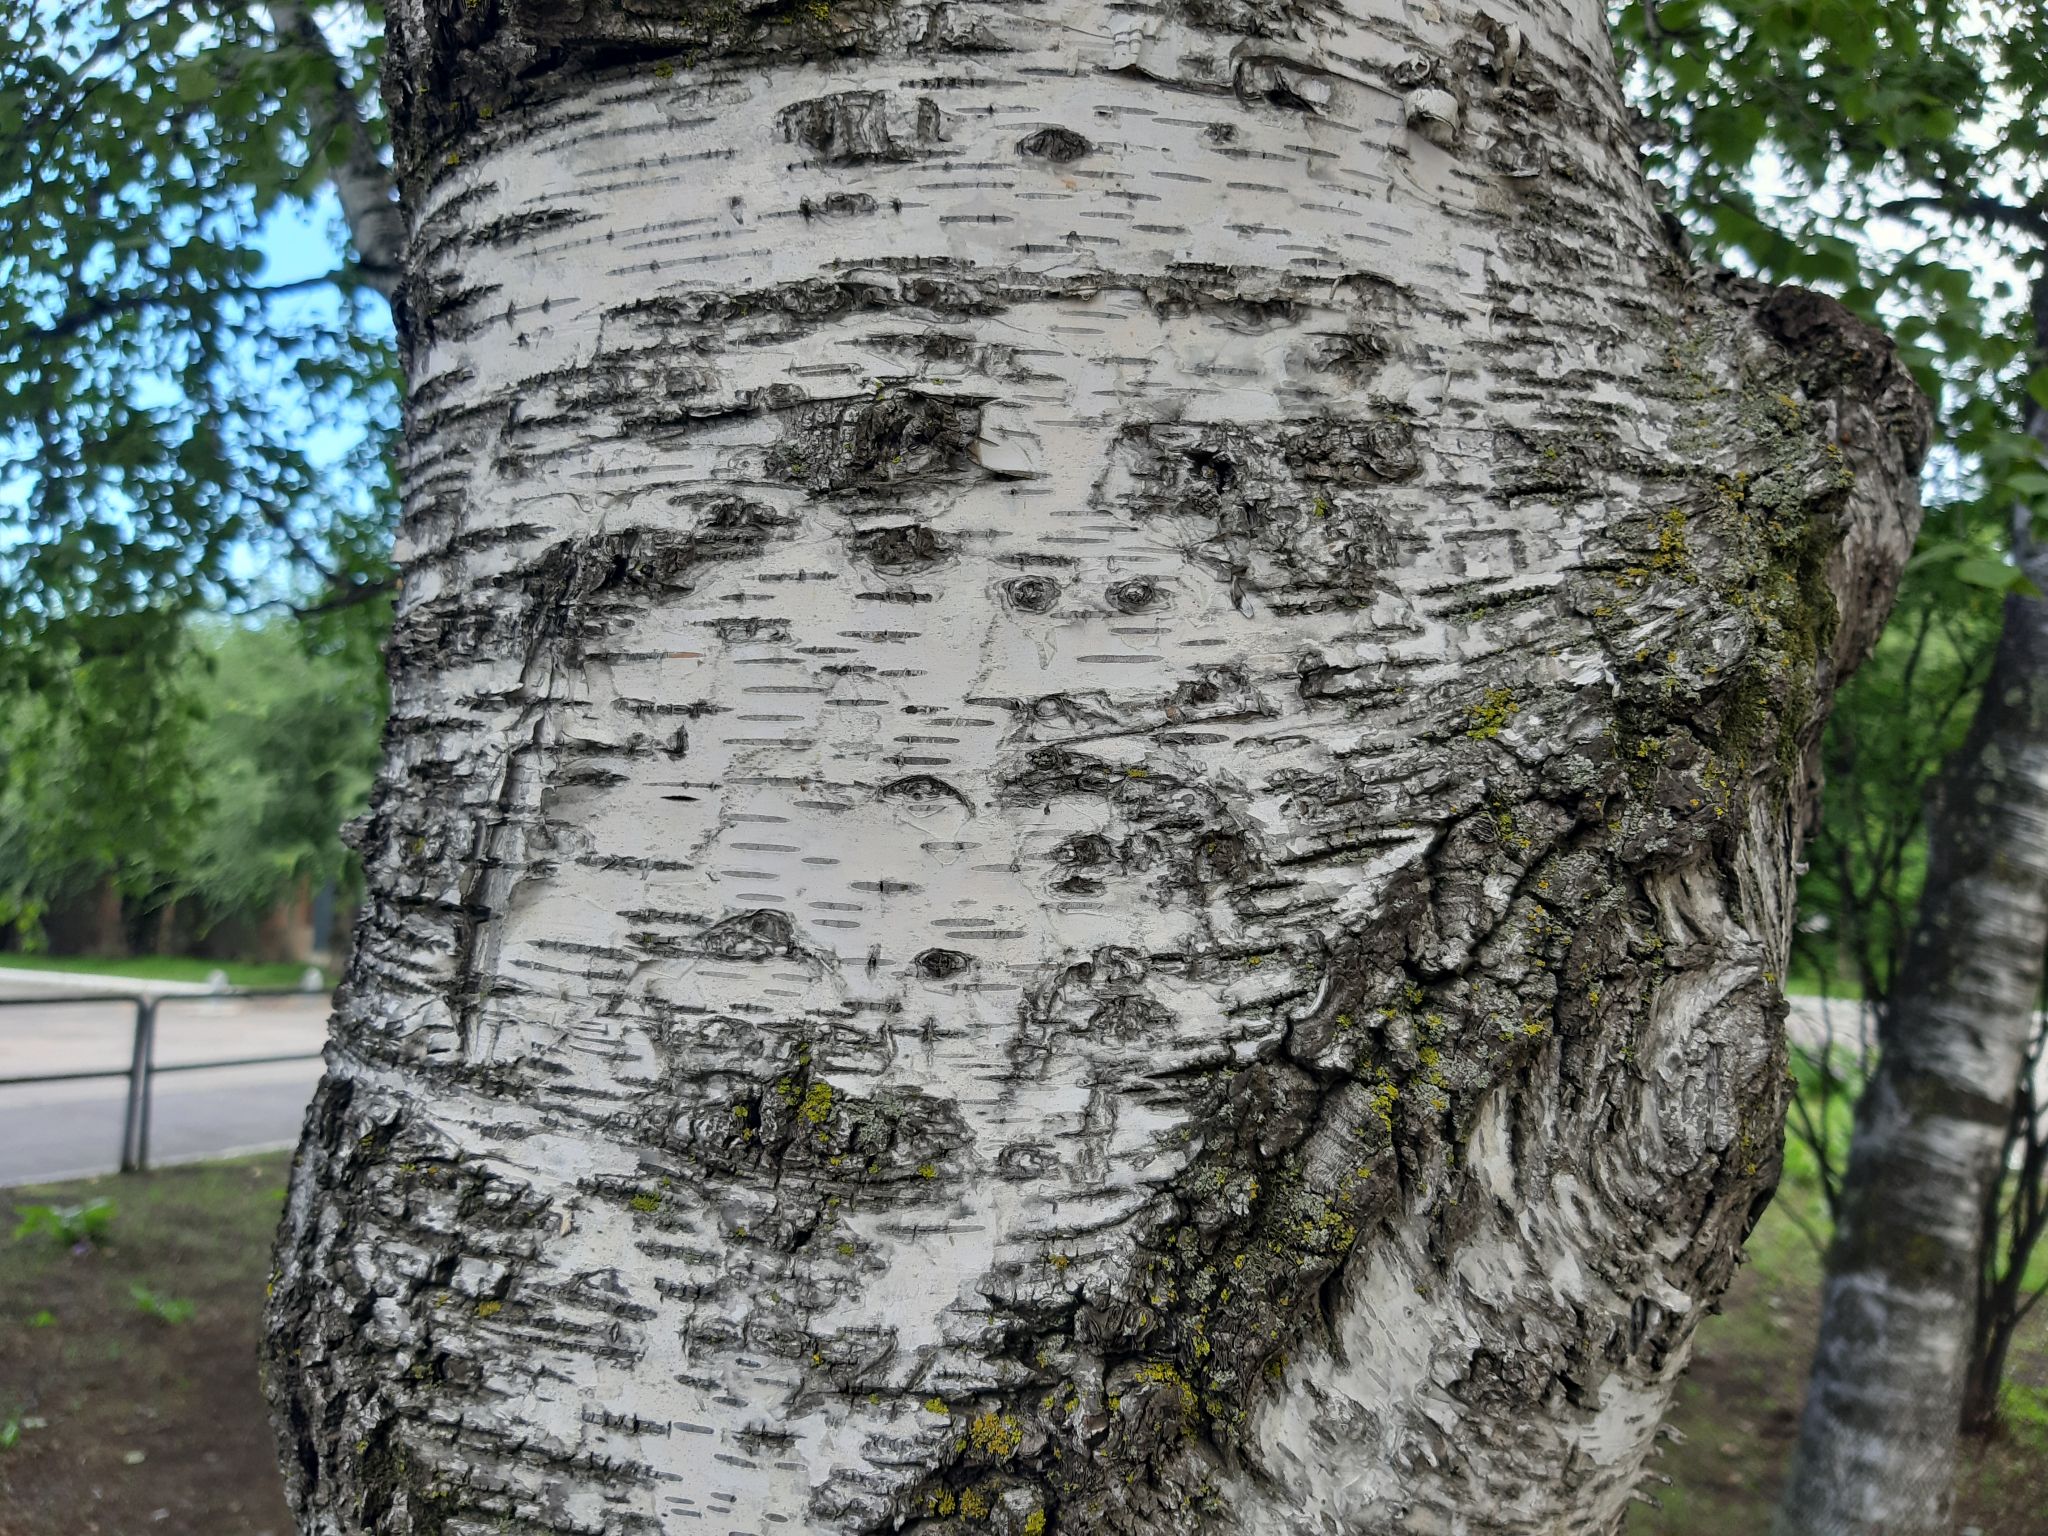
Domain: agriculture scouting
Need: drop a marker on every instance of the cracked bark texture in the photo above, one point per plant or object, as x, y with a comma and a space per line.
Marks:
1100, 718
1877, 1439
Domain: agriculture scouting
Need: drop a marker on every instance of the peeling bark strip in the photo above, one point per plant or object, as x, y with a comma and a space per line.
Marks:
1100, 719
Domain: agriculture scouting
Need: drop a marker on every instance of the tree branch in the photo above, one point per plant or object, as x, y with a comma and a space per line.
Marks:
369, 198
1991, 210
101, 306
347, 595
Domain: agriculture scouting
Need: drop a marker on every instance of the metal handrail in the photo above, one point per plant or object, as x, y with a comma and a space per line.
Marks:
68, 1077
158, 1069
142, 1067
73, 997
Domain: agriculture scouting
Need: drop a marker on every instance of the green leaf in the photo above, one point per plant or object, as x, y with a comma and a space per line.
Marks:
1992, 575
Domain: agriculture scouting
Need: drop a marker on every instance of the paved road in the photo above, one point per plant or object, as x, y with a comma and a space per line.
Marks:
1812, 1022
61, 1130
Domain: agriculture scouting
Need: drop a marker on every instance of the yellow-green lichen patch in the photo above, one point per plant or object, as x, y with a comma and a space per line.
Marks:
1491, 714
996, 1435
1161, 1373
817, 1105
1674, 550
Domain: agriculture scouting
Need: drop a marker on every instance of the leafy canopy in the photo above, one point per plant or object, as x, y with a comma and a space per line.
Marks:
1894, 153
182, 423
198, 400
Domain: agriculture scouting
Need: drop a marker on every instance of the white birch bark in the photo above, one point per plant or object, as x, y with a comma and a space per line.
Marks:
1100, 717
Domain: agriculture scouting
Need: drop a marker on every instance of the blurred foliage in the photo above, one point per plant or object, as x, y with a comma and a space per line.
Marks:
180, 427
286, 752
168, 1310
1896, 721
96, 771
67, 1226
231, 797
198, 403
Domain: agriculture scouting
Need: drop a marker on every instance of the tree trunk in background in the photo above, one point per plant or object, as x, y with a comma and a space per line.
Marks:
164, 929
1877, 1441
1100, 720
2008, 1231
342, 144
107, 922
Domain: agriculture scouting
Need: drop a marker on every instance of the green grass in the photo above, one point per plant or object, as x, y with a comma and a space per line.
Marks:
160, 968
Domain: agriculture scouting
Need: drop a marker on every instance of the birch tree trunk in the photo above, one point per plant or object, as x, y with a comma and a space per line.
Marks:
1877, 1440
1100, 720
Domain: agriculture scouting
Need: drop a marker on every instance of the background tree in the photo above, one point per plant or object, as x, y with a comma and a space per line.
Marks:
196, 404
170, 828
1097, 741
105, 715
1905, 144
287, 755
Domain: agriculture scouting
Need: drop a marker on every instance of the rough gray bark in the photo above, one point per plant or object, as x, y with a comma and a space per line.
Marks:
1877, 1440
1099, 723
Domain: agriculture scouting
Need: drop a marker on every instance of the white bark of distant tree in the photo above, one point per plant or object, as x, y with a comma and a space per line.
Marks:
1100, 720
1878, 1436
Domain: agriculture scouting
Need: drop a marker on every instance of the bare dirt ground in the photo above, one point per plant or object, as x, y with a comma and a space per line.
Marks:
131, 1420
129, 1424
